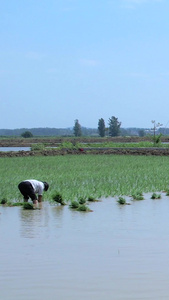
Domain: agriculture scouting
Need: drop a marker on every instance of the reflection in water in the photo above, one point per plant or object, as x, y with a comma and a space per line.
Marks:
32, 221
57, 212
114, 252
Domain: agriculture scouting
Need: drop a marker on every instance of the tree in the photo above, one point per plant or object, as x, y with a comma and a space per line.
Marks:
141, 132
156, 138
27, 134
114, 126
77, 128
101, 127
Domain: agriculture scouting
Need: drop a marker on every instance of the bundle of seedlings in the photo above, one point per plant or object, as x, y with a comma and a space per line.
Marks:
83, 207
57, 197
155, 196
82, 200
3, 201
138, 196
27, 205
121, 200
79, 205
74, 204
92, 199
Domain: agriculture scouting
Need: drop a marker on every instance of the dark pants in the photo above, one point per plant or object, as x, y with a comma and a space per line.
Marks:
27, 190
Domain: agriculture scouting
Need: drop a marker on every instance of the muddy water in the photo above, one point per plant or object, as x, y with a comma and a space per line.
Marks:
113, 253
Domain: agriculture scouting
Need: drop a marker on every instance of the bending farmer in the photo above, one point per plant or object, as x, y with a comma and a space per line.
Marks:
29, 188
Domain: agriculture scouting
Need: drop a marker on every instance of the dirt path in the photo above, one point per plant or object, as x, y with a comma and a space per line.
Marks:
55, 142
85, 151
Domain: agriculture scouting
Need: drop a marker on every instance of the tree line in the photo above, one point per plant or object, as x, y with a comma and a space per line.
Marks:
113, 128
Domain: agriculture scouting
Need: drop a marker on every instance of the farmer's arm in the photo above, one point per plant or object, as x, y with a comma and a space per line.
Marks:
40, 193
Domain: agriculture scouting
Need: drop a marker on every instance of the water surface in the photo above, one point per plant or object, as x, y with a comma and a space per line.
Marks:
113, 253
6, 149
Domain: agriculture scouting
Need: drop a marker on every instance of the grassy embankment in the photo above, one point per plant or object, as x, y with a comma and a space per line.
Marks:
111, 144
144, 144
85, 176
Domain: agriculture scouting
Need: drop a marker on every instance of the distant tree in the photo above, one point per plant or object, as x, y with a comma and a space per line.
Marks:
27, 134
77, 128
124, 132
141, 132
156, 138
101, 127
114, 126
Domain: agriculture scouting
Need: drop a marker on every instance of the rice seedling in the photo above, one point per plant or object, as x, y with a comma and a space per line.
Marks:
27, 205
156, 196
82, 200
74, 204
79, 205
10, 203
121, 200
92, 199
84, 208
57, 197
17, 203
167, 192
82, 176
3, 201
138, 196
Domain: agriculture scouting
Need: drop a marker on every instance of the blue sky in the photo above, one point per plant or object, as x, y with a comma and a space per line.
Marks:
62, 60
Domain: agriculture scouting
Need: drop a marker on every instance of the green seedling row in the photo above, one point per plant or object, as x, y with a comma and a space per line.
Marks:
88, 176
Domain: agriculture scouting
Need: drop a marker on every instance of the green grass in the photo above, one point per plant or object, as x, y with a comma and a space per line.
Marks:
143, 144
105, 144
86, 176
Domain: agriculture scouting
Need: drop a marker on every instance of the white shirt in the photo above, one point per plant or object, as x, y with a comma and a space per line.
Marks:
38, 186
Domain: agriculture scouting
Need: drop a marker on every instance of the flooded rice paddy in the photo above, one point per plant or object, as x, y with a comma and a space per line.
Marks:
113, 253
